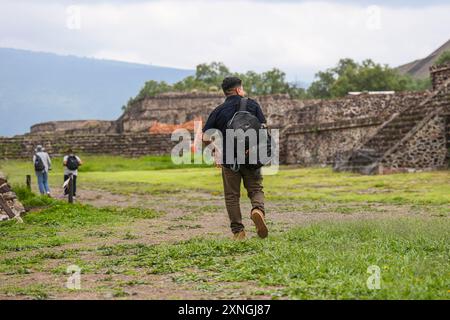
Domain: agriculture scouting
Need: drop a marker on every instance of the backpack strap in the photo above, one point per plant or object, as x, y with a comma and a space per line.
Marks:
243, 104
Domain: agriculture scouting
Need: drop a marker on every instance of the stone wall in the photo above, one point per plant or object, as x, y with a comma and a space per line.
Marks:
166, 108
335, 126
280, 110
319, 144
10, 198
415, 138
426, 146
311, 131
360, 106
115, 144
74, 127
425, 149
180, 108
439, 74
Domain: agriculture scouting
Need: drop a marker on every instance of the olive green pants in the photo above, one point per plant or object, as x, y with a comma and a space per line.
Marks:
232, 191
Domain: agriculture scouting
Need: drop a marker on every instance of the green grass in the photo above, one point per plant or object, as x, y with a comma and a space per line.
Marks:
55, 225
321, 261
36, 291
29, 199
150, 175
316, 184
104, 163
62, 223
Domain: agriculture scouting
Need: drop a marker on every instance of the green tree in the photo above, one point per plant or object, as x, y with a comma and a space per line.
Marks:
274, 82
208, 78
349, 75
321, 88
269, 82
211, 74
189, 84
253, 82
152, 88
297, 92
443, 58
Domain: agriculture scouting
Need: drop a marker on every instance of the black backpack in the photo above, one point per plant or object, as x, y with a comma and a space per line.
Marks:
72, 163
38, 163
244, 120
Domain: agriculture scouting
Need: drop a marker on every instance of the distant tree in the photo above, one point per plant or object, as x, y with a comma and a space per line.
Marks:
346, 76
349, 75
253, 82
321, 88
443, 58
344, 65
297, 92
274, 81
208, 78
211, 74
188, 84
411, 84
152, 88
269, 82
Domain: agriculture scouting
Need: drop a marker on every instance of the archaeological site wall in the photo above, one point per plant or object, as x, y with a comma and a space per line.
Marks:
127, 144
9, 204
79, 126
365, 131
331, 126
417, 138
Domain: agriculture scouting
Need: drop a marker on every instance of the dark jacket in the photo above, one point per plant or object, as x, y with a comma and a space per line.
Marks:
220, 116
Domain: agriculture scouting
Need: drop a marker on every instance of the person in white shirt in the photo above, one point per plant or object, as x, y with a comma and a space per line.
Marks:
42, 165
71, 164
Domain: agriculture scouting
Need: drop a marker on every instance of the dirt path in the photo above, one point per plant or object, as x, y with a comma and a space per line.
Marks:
201, 214
186, 215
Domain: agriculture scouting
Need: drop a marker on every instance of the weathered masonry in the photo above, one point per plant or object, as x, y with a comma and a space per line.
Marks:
10, 207
414, 137
367, 133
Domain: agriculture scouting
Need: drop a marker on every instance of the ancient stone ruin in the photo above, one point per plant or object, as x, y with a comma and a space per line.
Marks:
368, 133
10, 207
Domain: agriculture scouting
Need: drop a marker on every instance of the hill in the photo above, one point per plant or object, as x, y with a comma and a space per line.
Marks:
419, 69
37, 87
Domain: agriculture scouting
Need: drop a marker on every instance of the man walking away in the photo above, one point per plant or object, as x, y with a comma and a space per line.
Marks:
42, 165
71, 164
252, 178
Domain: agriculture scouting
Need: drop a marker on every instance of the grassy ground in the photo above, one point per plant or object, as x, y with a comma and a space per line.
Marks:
156, 175
146, 230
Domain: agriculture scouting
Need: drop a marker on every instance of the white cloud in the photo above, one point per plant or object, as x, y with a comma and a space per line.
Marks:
299, 38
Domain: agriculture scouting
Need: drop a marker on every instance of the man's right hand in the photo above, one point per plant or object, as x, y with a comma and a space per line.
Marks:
217, 159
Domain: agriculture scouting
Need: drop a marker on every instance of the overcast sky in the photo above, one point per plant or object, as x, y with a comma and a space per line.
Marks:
299, 37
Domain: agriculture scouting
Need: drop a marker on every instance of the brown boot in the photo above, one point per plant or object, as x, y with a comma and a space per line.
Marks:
239, 235
260, 223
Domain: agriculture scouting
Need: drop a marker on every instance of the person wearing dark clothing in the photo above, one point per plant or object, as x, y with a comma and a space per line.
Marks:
218, 119
71, 163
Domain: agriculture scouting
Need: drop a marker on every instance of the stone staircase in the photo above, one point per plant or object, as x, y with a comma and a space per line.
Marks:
366, 157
